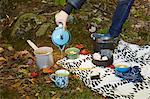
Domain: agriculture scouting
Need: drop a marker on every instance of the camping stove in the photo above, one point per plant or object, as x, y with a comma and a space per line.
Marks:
104, 45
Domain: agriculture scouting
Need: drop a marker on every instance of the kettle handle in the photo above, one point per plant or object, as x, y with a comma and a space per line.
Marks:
60, 24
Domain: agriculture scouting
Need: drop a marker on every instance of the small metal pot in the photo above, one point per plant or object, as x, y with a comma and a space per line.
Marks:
102, 41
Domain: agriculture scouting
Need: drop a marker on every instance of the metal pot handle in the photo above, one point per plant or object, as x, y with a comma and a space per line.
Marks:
92, 36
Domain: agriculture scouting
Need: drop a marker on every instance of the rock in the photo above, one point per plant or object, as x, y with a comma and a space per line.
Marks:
42, 30
27, 17
92, 29
71, 19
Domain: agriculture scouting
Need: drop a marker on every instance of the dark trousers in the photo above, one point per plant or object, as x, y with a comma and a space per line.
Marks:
120, 16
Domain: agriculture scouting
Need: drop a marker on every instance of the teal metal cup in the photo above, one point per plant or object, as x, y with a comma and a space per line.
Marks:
60, 78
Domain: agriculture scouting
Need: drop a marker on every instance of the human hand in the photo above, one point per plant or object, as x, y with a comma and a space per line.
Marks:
61, 17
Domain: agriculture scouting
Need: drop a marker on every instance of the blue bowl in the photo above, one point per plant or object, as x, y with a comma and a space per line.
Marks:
123, 70
122, 67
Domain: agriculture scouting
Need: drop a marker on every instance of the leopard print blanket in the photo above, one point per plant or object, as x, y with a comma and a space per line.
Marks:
107, 83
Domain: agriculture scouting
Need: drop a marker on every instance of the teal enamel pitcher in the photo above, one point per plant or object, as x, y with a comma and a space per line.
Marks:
60, 37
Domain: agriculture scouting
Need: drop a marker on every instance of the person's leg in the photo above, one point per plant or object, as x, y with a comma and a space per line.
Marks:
120, 16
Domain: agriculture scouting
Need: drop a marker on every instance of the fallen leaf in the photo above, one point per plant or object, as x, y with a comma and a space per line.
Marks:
85, 52
56, 66
53, 92
23, 66
79, 46
30, 62
24, 71
16, 85
47, 70
79, 89
57, 96
10, 48
111, 66
34, 74
47, 79
27, 97
74, 76
33, 80
2, 59
1, 50
37, 94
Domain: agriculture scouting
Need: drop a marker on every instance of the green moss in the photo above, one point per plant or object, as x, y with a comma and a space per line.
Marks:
27, 16
60, 2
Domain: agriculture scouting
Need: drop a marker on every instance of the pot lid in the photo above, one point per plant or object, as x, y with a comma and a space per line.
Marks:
101, 36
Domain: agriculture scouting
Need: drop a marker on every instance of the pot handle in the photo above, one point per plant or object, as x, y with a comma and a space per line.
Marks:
93, 37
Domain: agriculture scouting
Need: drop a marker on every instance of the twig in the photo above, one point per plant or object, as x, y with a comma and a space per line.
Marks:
2, 78
49, 14
102, 10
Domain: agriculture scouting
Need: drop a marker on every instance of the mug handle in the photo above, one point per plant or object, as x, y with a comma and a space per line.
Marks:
52, 77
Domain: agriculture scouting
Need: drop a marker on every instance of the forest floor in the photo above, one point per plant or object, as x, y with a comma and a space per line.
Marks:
17, 62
